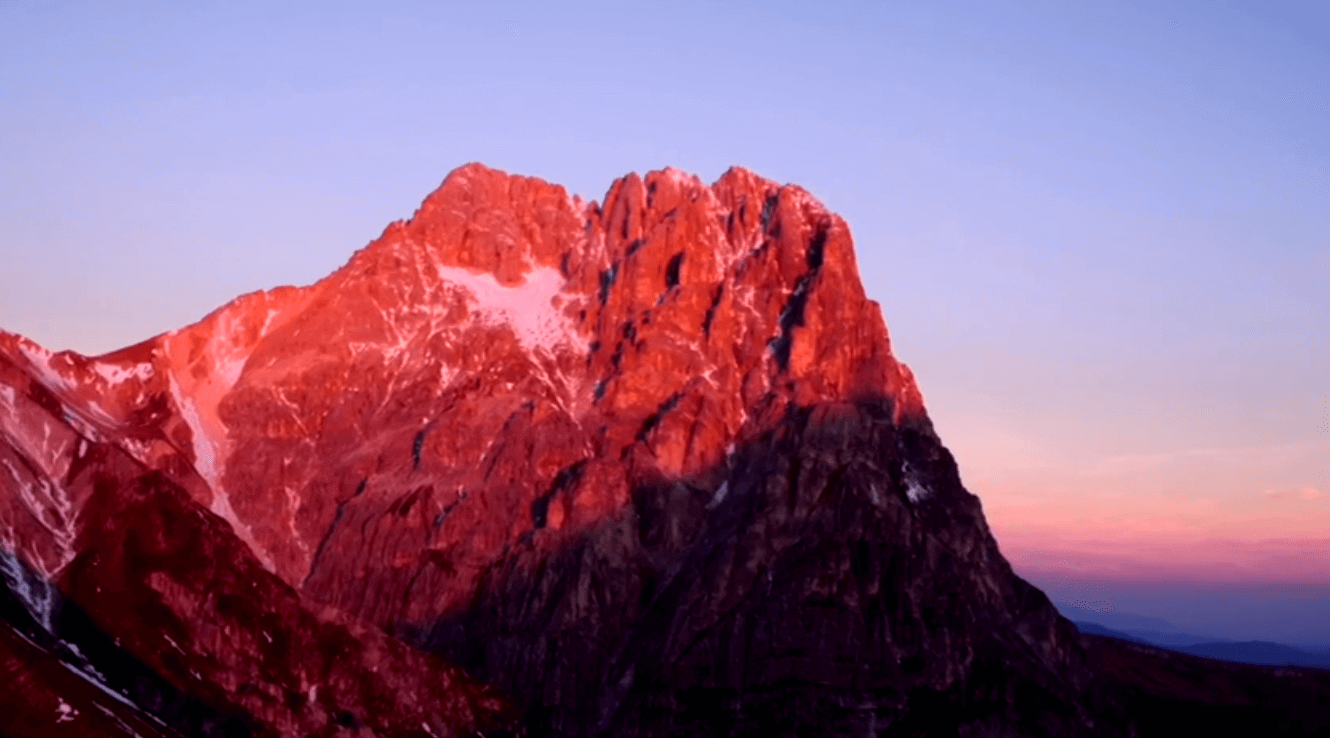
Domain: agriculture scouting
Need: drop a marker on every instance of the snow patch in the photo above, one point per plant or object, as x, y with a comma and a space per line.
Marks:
140, 450
914, 490
228, 368
221, 507
96, 411
117, 696
118, 374
527, 308
32, 590
65, 712
267, 321
719, 497
49, 505
226, 351
81, 425
204, 454
446, 374
207, 464
40, 361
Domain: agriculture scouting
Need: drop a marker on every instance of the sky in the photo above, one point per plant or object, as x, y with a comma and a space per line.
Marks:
1099, 232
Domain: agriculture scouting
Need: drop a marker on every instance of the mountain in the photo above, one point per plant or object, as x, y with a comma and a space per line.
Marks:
1259, 652
526, 465
1246, 652
1145, 628
1126, 622
1171, 693
1097, 629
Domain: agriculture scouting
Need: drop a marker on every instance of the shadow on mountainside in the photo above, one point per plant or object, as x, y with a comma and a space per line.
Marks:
44, 697
70, 658
831, 578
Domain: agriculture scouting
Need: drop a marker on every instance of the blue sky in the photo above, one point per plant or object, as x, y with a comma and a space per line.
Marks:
1100, 232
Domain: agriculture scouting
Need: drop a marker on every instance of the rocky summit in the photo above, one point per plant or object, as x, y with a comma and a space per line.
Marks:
525, 465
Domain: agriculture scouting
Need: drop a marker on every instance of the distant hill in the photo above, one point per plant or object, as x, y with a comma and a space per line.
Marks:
1177, 694
1152, 630
1262, 653
1097, 629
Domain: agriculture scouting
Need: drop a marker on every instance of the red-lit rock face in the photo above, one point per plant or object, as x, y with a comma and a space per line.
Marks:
376, 438
639, 465
159, 604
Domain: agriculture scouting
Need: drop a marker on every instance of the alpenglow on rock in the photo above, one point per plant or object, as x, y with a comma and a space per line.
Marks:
527, 464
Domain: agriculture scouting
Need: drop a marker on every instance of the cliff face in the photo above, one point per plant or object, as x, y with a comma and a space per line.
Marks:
647, 468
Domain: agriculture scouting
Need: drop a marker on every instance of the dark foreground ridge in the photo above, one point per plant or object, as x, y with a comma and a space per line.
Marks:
1170, 693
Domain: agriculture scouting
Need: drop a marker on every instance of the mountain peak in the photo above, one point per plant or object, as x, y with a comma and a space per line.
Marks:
503, 369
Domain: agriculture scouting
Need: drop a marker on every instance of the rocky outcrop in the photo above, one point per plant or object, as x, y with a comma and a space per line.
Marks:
526, 463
